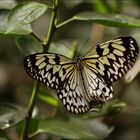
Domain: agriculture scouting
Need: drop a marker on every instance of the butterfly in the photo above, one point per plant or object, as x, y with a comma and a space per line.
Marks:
83, 81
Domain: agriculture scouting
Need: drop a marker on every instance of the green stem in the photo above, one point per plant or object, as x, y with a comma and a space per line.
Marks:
35, 36
65, 22
46, 44
52, 27
28, 117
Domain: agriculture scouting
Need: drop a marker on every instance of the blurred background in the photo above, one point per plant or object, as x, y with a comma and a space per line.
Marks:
16, 86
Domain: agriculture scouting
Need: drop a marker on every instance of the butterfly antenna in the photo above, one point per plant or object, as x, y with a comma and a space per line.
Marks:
72, 48
84, 45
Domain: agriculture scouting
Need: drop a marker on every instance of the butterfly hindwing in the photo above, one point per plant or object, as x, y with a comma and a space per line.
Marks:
83, 89
72, 94
97, 88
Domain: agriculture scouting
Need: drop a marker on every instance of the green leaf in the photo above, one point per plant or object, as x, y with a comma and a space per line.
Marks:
26, 29
68, 129
10, 115
24, 14
100, 6
26, 44
113, 108
3, 25
114, 20
49, 99
48, 96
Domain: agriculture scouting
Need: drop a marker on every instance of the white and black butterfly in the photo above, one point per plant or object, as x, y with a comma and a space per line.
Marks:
84, 80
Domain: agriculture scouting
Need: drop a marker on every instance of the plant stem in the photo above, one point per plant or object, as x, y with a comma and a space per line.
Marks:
46, 44
65, 22
52, 27
35, 36
28, 117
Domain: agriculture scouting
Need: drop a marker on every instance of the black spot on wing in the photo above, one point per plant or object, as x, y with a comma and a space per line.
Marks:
104, 89
97, 65
57, 59
99, 51
64, 71
46, 60
110, 47
51, 71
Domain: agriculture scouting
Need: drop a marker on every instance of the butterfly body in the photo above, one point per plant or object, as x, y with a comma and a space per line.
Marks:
84, 80
79, 63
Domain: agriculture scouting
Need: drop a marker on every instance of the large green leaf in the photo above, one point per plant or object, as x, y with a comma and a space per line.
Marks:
71, 128
24, 14
26, 29
115, 20
10, 115
19, 31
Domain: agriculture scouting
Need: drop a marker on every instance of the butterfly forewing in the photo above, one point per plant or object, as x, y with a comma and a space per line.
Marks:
51, 69
112, 59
